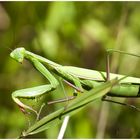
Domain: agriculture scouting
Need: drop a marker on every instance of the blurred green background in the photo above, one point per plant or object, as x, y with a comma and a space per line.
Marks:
69, 33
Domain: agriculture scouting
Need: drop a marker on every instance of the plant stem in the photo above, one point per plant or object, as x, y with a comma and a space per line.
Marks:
63, 127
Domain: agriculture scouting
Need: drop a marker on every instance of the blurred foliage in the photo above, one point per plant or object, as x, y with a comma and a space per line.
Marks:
69, 33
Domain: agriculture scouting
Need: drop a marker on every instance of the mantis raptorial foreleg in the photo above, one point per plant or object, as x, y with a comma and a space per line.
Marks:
35, 91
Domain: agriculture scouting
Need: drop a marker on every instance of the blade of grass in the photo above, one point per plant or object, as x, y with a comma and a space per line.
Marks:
73, 107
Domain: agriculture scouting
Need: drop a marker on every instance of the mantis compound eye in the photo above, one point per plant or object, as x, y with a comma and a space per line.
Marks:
18, 54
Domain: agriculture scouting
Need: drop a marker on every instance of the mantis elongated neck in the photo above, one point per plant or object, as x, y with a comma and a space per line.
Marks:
49, 63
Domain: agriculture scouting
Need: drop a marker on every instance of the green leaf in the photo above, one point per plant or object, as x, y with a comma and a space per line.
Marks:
73, 107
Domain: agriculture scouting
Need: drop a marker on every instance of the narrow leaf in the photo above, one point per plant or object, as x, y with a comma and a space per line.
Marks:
73, 107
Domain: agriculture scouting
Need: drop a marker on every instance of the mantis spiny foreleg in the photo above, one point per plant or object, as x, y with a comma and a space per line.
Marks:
35, 91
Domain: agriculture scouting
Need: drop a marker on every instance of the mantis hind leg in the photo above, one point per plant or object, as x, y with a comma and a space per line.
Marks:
120, 103
109, 51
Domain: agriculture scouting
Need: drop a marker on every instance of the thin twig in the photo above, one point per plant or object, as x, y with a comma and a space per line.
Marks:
63, 128
66, 119
105, 107
102, 120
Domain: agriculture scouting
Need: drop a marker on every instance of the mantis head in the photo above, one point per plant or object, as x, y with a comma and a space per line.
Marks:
18, 54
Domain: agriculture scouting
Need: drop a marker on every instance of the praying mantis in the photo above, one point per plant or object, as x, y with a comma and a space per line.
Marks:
80, 79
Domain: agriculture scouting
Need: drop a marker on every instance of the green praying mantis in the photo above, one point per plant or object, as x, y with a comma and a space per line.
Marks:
80, 79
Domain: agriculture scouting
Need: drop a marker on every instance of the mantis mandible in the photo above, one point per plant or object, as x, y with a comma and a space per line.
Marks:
79, 78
